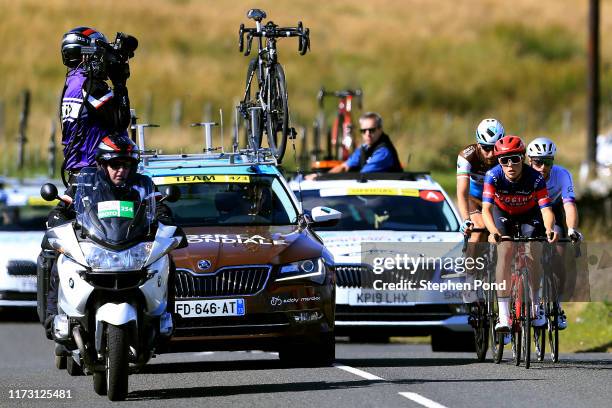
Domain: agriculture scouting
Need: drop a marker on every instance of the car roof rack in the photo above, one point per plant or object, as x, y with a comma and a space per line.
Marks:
210, 157
364, 177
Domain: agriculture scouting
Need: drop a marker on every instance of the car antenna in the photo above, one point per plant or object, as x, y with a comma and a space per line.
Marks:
292, 135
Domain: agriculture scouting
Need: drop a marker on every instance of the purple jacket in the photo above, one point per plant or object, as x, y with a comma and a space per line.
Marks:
85, 123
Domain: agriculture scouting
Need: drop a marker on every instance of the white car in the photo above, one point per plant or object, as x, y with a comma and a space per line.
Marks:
23, 214
411, 211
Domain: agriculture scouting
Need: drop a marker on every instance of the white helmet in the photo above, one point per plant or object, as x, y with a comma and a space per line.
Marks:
489, 131
541, 147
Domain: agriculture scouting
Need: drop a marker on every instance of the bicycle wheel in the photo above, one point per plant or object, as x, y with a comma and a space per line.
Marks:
478, 317
253, 141
539, 340
553, 331
516, 322
526, 321
497, 339
277, 113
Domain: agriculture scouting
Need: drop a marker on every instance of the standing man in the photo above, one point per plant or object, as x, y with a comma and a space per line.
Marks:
91, 109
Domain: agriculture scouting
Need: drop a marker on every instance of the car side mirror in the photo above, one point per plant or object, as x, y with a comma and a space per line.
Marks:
49, 192
325, 216
172, 194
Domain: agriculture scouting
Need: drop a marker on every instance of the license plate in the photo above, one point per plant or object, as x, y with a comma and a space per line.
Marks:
380, 297
210, 308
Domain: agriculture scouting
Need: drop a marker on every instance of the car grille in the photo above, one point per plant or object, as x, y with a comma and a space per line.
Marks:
362, 276
351, 276
230, 281
21, 267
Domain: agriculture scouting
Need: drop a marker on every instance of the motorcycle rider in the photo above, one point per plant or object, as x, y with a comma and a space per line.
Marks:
116, 178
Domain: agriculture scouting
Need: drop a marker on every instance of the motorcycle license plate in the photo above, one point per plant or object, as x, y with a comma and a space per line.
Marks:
210, 308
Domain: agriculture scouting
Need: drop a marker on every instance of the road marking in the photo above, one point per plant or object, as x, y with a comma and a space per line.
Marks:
360, 373
419, 399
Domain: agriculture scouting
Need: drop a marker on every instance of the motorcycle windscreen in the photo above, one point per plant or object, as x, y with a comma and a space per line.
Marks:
113, 215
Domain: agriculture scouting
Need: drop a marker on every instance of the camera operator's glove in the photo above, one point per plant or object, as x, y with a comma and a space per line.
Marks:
574, 234
119, 72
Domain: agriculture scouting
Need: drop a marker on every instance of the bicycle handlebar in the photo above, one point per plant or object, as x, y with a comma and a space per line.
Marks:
271, 30
358, 93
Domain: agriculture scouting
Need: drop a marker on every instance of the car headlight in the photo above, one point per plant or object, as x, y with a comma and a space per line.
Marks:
101, 259
310, 269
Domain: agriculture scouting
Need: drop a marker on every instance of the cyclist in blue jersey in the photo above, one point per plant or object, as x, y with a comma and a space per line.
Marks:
515, 193
541, 153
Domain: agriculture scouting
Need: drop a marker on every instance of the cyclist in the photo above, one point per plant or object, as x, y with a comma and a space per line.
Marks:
376, 154
472, 164
514, 192
541, 153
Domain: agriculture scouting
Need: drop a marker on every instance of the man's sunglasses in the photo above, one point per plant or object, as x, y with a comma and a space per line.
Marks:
116, 165
542, 162
514, 159
371, 130
487, 148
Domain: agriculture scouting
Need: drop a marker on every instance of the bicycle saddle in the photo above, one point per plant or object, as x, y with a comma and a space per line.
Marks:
256, 14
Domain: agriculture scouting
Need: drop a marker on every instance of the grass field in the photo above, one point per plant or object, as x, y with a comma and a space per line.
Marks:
432, 68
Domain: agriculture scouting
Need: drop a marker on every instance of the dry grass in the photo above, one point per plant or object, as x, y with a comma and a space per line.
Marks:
432, 68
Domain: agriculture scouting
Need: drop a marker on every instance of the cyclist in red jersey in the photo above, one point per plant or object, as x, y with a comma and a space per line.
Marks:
516, 193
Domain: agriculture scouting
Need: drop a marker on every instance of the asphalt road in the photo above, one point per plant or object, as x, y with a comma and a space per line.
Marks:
366, 375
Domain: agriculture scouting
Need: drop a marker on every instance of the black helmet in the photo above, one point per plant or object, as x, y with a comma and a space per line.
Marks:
72, 42
117, 146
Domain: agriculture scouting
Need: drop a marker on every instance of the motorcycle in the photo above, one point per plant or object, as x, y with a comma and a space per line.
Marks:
113, 272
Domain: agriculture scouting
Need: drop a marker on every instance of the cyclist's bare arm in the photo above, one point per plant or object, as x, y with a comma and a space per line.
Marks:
549, 223
463, 189
487, 217
571, 215
341, 168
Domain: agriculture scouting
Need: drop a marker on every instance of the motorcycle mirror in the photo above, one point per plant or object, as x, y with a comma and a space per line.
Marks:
49, 192
172, 194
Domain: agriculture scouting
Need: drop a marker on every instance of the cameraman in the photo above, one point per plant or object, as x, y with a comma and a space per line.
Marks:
90, 109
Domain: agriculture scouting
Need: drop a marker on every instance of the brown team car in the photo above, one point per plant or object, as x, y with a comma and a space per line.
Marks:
254, 275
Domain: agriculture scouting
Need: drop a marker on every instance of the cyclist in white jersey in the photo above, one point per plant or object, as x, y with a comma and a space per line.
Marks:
560, 186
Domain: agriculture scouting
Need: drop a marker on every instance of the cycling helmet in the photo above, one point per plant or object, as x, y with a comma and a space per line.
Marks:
541, 147
489, 131
113, 147
72, 42
508, 145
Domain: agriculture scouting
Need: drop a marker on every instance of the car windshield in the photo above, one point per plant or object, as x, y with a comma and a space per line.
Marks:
230, 200
413, 212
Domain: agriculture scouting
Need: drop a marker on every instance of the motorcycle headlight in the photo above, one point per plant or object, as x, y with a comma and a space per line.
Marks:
102, 259
309, 269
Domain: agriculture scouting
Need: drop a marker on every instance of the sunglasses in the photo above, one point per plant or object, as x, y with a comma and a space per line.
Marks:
487, 148
514, 159
371, 130
542, 162
116, 165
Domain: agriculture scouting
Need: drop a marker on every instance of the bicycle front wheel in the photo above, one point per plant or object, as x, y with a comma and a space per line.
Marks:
253, 132
526, 322
277, 113
553, 331
481, 330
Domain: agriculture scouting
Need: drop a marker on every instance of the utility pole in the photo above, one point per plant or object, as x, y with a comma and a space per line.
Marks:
593, 87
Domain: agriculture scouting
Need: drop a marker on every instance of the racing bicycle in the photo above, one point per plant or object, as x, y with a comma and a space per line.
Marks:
264, 104
340, 138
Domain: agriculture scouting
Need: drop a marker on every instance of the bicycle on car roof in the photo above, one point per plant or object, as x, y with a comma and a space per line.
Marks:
264, 105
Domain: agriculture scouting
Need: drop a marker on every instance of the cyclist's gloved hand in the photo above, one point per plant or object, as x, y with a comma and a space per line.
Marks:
494, 237
552, 236
466, 226
574, 234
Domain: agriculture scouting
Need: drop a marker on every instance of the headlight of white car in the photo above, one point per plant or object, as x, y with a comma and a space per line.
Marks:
310, 269
101, 259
